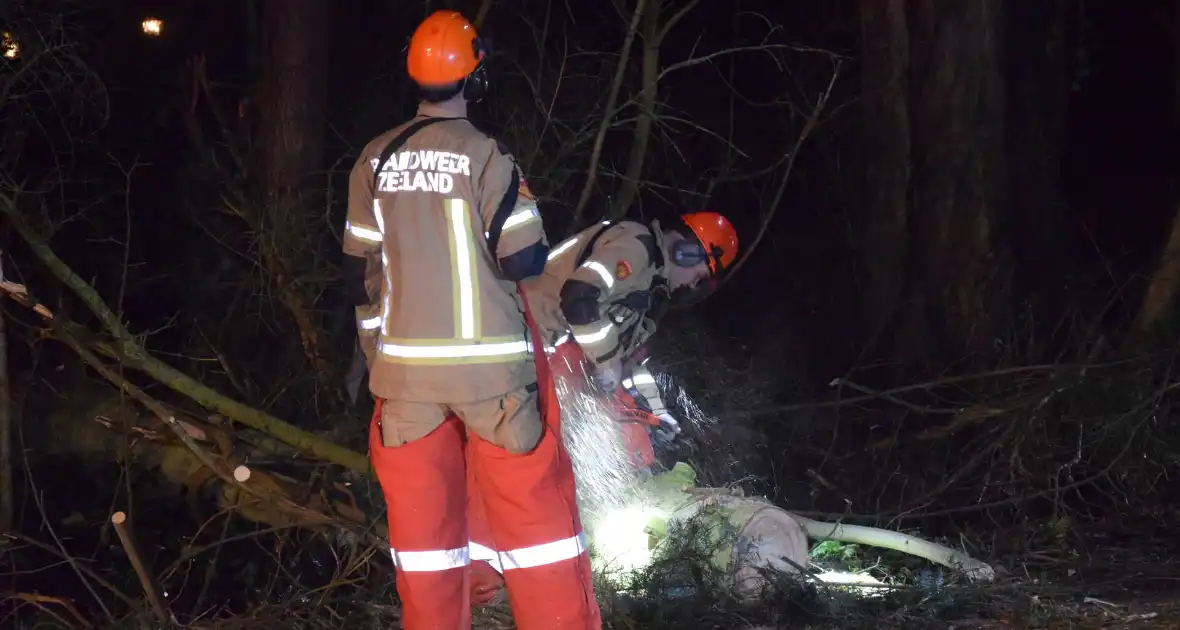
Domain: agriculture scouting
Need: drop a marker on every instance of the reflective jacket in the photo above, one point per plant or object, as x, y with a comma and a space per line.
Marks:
444, 211
599, 285
645, 388
368, 317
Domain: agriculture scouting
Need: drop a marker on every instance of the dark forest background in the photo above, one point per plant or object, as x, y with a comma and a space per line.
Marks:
955, 305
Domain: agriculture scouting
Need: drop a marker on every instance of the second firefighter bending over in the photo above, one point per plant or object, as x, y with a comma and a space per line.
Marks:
601, 286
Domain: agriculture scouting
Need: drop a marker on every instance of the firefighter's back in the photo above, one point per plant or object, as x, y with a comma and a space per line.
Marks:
452, 329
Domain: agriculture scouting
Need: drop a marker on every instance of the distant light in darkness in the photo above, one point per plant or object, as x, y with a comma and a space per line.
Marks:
153, 26
11, 48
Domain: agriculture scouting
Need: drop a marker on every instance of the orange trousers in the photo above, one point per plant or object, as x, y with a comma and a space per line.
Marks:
484, 555
527, 509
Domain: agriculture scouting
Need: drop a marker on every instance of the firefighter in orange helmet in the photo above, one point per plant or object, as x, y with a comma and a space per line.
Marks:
594, 303
442, 212
602, 284
600, 289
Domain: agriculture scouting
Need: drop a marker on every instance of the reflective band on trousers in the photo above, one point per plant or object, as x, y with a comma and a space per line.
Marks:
372, 323
485, 553
435, 560
529, 557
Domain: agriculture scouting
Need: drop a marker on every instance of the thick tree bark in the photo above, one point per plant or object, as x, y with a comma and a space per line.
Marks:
886, 144
1040, 65
292, 100
7, 513
958, 266
289, 146
1159, 300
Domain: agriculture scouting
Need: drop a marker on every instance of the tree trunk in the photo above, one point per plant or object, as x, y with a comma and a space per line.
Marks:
957, 268
885, 53
1040, 64
1159, 300
629, 186
292, 97
7, 513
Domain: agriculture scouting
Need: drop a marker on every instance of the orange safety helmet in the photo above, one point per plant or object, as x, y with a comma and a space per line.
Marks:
717, 236
444, 49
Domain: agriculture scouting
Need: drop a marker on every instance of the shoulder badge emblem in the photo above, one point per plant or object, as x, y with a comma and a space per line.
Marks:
522, 189
622, 270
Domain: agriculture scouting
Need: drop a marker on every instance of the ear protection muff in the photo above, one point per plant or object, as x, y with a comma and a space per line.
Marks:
476, 85
688, 253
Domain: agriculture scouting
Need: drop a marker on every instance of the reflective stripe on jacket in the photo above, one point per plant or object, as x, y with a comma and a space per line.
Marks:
642, 381
451, 328
619, 263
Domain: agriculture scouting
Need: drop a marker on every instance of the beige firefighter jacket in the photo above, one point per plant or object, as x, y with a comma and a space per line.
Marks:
449, 328
641, 380
368, 317
625, 259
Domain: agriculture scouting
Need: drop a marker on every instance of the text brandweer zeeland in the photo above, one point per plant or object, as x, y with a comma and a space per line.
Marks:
422, 171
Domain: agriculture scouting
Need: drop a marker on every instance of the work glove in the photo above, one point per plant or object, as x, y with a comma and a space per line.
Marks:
667, 431
607, 376
669, 424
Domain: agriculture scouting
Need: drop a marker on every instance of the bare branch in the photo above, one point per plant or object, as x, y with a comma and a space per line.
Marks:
812, 121
132, 354
482, 13
648, 94
676, 17
600, 138
762, 48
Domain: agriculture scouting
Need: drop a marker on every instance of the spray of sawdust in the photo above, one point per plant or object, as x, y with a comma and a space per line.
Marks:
704, 443
594, 439
687, 410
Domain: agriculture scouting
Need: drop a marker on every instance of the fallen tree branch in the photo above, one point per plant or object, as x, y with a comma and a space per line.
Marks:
265, 489
90, 573
928, 385
146, 580
675, 492
897, 541
40, 601
304, 515
132, 354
